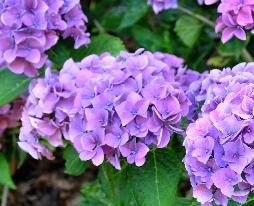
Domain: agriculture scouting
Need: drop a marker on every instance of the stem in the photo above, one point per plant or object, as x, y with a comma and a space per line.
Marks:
99, 26
245, 53
197, 16
5, 196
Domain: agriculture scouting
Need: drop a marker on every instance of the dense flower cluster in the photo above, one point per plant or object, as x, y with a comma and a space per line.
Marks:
219, 145
160, 5
28, 28
108, 106
10, 115
237, 16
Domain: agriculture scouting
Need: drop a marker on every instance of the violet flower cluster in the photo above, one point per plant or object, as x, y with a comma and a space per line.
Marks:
108, 107
10, 115
160, 5
28, 28
237, 17
219, 145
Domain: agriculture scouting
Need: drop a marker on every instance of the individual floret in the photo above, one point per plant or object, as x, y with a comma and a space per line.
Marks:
160, 5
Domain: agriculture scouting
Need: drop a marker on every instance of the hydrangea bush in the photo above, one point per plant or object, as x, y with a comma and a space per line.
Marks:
29, 28
150, 129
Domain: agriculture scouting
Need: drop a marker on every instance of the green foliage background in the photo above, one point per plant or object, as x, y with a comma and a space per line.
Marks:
117, 25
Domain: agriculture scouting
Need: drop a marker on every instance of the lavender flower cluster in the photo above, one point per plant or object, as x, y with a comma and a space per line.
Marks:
160, 5
236, 18
108, 107
28, 28
10, 115
219, 144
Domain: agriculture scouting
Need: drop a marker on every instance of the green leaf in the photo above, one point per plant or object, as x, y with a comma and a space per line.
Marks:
115, 185
110, 189
218, 61
188, 29
135, 11
73, 165
93, 195
155, 183
152, 41
12, 85
232, 48
186, 202
60, 53
112, 19
195, 204
21, 157
99, 44
5, 174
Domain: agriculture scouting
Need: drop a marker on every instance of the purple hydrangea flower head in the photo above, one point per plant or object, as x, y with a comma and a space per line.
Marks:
219, 144
109, 107
160, 5
31, 27
236, 18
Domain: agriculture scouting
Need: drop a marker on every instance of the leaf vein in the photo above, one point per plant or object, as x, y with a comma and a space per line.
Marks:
156, 179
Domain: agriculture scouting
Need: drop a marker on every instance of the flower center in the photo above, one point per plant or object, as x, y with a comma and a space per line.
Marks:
118, 136
230, 179
236, 156
134, 112
138, 126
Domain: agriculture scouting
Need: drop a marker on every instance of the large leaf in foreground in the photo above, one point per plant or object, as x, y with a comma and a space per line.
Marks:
110, 189
12, 85
155, 184
5, 174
